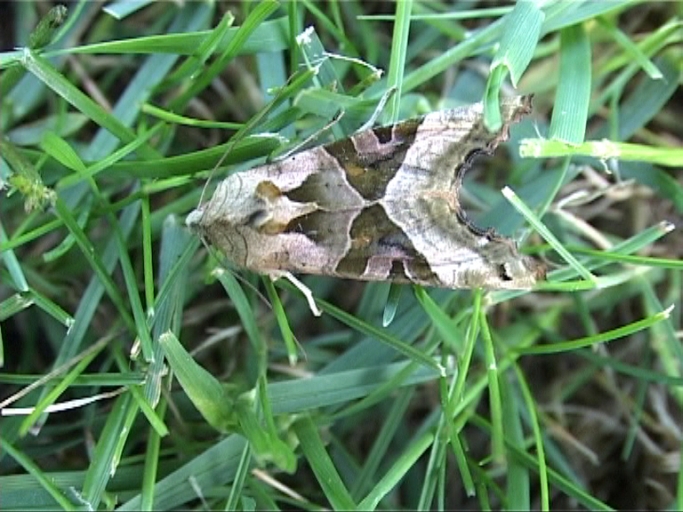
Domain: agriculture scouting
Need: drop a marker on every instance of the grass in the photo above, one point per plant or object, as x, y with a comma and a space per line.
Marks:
138, 372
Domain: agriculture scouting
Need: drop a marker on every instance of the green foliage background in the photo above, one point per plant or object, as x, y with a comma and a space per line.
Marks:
138, 372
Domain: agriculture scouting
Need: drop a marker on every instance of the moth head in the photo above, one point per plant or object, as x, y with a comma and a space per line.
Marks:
194, 220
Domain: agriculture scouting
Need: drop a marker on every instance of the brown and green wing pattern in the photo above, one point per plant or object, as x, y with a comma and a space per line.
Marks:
380, 205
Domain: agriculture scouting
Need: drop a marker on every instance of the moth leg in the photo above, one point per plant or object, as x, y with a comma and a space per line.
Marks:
275, 275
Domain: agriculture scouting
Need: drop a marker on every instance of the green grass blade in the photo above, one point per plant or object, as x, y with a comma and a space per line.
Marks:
570, 112
319, 460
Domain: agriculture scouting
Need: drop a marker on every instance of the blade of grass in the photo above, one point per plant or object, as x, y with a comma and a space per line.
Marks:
319, 460
603, 337
396, 472
568, 123
547, 234
45, 481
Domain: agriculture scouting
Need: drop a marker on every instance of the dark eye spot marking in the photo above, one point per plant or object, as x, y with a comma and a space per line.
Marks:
503, 273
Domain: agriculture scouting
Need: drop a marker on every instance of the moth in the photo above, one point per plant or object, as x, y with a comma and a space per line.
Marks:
381, 205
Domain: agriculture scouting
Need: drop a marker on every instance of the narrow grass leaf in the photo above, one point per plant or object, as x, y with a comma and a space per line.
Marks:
131, 414
233, 47
164, 312
517, 483
408, 373
397, 471
196, 61
152, 460
303, 395
562, 483
237, 487
155, 420
244, 309
603, 337
202, 160
45, 481
204, 390
171, 269
604, 150
492, 115
440, 320
134, 300
69, 240
282, 321
452, 56
40, 37
570, 112
465, 356
397, 61
55, 392
319, 460
533, 219
14, 304
52, 78
12, 264
631, 245
111, 440
380, 448
64, 125
521, 30
436, 461
95, 261
392, 304
407, 350
20, 238
328, 103
495, 405
645, 101
631, 50
147, 263
538, 438
462, 462
212, 467
268, 447
269, 36
107, 162
664, 340
175, 118
60, 150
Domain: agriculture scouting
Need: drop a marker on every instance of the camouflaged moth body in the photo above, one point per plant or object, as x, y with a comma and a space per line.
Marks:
380, 205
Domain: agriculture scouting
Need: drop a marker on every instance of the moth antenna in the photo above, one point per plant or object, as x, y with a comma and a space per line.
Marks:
378, 109
239, 135
337, 117
253, 288
226, 266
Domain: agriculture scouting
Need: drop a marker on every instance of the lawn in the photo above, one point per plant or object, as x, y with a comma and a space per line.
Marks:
141, 368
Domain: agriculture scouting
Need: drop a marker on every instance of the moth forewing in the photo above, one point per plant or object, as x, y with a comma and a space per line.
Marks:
380, 205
